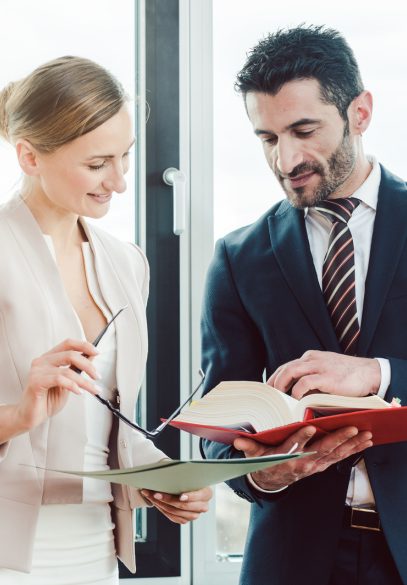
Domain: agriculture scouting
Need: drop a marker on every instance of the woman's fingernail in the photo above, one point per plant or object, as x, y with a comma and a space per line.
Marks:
183, 498
158, 496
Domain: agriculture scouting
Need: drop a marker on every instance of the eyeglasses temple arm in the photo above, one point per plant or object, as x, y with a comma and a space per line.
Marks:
121, 416
178, 410
101, 334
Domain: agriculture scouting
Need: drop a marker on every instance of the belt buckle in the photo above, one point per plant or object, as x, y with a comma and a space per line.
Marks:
354, 522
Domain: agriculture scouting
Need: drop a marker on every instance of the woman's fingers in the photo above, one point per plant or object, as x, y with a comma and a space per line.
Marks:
182, 508
67, 379
79, 345
68, 359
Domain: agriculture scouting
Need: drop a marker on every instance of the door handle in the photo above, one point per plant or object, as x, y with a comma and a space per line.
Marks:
177, 180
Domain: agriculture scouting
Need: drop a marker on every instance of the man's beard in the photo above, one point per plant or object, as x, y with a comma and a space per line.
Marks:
340, 166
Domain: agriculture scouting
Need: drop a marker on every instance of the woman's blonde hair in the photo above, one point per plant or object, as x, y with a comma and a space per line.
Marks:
58, 102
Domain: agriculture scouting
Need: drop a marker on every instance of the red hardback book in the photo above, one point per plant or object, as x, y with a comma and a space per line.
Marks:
238, 409
387, 425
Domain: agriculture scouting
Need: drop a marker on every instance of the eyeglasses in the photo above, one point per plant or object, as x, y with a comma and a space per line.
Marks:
116, 412
158, 430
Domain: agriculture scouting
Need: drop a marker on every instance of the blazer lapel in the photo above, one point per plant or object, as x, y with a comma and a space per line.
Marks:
291, 248
388, 241
131, 332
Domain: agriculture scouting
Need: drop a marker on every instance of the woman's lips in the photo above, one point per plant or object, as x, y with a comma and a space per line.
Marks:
100, 198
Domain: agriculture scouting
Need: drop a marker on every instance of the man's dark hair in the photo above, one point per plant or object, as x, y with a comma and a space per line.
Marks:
304, 52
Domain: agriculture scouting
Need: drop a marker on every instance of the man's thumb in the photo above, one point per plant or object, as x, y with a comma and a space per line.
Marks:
249, 447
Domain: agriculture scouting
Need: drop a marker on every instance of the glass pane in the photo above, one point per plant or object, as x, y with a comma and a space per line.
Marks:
96, 29
244, 187
232, 517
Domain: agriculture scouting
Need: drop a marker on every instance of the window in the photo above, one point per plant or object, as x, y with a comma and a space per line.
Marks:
244, 187
40, 27
138, 41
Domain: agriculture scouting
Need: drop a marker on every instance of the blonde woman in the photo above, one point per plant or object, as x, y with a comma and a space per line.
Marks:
61, 280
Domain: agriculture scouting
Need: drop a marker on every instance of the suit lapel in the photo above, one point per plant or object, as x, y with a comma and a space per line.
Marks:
388, 241
291, 249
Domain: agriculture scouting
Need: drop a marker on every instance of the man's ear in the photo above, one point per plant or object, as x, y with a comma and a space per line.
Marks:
27, 157
360, 113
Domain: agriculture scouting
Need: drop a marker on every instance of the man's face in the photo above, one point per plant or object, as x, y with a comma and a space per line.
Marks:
306, 142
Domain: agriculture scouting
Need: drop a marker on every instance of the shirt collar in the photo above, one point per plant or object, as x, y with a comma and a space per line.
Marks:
368, 192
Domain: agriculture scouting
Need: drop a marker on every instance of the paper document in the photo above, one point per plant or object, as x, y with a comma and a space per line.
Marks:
176, 477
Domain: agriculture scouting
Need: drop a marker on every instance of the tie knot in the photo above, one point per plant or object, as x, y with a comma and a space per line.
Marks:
338, 209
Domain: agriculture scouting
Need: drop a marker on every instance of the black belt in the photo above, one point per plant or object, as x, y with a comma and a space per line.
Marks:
362, 518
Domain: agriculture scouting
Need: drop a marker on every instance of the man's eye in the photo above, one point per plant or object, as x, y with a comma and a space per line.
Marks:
270, 140
304, 133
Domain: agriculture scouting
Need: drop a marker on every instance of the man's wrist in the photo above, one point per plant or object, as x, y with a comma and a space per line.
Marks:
385, 371
253, 483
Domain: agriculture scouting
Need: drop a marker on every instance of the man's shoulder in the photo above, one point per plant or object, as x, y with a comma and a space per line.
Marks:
244, 236
390, 180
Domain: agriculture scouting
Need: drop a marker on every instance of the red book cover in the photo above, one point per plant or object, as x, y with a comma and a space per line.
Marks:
387, 425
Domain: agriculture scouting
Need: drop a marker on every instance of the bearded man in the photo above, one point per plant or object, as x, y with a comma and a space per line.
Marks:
313, 297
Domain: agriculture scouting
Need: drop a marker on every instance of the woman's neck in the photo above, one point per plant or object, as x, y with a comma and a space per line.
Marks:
62, 225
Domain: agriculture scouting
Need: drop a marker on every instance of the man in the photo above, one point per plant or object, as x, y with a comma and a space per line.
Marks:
314, 296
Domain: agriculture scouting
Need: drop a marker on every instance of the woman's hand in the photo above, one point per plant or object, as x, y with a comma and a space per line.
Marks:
51, 379
180, 509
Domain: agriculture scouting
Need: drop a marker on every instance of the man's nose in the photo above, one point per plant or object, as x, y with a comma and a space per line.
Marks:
288, 156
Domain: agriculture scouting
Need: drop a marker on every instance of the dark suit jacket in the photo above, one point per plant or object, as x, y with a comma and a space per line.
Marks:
264, 307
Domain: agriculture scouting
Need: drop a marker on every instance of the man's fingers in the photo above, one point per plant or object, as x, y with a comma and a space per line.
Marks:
342, 443
300, 437
249, 447
332, 440
252, 448
306, 384
291, 372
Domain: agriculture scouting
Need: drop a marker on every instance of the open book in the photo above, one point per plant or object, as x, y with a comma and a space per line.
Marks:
235, 409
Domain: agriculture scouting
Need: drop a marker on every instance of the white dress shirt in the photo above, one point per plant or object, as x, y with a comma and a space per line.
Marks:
361, 227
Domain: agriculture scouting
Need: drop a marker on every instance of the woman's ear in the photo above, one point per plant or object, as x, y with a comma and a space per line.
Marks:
360, 112
27, 157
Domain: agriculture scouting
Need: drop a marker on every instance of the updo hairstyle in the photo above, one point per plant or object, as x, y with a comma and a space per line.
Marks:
58, 102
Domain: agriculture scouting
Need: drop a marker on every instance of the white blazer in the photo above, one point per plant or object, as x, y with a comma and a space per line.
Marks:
36, 315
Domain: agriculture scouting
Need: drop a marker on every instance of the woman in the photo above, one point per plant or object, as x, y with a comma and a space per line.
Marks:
63, 279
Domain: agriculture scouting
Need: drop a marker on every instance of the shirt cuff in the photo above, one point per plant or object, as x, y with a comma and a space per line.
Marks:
385, 370
259, 489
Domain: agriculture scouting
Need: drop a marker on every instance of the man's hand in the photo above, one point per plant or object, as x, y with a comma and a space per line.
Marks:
328, 372
331, 449
180, 509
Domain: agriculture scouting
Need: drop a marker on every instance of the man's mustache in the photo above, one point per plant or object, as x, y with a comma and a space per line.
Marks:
302, 169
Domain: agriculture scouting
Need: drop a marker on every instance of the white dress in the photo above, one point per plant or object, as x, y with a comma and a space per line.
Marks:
74, 543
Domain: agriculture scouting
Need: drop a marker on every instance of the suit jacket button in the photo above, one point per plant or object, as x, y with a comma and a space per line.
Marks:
123, 443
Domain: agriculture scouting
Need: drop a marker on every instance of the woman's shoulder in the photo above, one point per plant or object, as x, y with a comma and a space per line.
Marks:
127, 255
8, 206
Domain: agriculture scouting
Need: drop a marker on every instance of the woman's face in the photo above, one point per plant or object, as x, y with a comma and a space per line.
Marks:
81, 176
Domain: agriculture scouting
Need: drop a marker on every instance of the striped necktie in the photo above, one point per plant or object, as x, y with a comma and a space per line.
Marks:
338, 273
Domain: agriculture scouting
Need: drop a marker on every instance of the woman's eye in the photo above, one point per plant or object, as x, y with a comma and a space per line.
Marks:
96, 167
